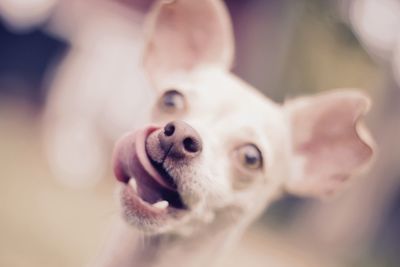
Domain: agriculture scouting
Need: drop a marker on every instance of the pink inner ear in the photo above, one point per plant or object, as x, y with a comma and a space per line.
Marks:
178, 42
334, 145
326, 136
185, 34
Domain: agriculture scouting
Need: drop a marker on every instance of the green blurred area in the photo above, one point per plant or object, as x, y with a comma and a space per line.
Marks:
308, 49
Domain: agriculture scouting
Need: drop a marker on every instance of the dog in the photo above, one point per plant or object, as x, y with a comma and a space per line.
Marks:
217, 152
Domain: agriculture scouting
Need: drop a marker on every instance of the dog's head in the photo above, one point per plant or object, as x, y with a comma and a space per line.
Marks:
217, 150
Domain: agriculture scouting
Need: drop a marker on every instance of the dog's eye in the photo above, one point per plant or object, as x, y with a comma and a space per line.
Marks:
172, 100
249, 156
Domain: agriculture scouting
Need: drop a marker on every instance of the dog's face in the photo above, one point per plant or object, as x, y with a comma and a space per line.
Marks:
217, 151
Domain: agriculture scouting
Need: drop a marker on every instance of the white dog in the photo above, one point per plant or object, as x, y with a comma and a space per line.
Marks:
217, 152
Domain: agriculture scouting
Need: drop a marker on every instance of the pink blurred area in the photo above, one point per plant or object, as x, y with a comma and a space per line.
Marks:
71, 83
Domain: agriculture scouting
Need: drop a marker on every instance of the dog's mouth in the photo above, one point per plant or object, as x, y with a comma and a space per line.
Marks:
149, 191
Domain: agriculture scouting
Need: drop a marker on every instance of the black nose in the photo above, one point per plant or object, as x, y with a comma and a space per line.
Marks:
180, 140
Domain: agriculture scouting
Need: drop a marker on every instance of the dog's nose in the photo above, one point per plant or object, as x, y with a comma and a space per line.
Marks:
179, 140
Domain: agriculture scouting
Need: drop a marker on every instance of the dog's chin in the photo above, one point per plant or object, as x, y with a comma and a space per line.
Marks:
150, 200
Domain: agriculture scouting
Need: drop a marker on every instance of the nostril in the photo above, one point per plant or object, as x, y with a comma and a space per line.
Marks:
169, 129
191, 145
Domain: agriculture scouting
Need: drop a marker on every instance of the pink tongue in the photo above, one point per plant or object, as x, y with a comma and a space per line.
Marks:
131, 160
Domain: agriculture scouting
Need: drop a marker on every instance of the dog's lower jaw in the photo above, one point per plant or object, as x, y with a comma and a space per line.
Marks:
126, 246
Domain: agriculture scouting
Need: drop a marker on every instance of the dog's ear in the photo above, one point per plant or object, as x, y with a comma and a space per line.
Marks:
329, 141
184, 34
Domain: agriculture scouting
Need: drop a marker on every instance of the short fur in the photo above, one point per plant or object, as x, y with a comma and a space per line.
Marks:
311, 145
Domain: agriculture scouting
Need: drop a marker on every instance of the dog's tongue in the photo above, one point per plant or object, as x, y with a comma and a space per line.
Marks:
130, 158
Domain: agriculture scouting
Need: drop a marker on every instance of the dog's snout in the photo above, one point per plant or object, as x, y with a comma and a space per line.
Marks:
180, 140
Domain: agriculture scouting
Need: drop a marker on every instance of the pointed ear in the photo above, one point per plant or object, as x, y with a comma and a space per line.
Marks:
184, 34
330, 143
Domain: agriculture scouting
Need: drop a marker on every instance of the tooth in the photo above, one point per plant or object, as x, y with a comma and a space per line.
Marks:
133, 184
163, 204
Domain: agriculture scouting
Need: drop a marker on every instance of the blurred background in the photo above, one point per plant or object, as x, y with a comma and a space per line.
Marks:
71, 83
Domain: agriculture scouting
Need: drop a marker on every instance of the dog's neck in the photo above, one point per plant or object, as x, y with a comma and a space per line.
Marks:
126, 247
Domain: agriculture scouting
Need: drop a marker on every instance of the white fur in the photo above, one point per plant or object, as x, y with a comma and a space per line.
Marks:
223, 198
